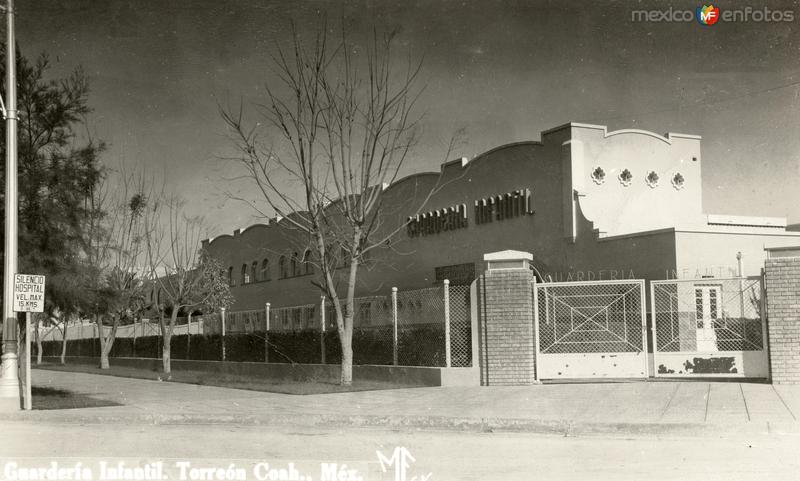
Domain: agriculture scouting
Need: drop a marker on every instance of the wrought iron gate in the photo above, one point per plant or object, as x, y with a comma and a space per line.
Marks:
590, 329
709, 327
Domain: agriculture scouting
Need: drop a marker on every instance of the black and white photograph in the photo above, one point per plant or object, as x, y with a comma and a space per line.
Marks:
371, 240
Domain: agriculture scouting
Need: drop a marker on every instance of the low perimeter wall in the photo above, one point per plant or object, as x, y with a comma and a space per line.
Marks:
403, 375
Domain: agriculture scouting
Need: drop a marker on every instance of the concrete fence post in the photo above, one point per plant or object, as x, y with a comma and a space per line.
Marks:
447, 355
222, 319
394, 326
322, 329
188, 335
266, 332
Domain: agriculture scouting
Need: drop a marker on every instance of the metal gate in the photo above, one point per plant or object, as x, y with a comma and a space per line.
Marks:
709, 327
590, 329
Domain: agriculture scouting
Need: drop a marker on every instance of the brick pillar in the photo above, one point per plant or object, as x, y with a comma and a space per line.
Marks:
782, 276
506, 342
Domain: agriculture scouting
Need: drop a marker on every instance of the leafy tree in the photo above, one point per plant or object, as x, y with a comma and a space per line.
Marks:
183, 276
114, 251
59, 166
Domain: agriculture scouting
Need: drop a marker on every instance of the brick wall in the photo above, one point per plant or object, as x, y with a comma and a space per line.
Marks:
507, 356
783, 313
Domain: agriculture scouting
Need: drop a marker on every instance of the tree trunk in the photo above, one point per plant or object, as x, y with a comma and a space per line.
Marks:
344, 310
165, 353
166, 332
38, 341
106, 342
103, 359
346, 331
64, 343
347, 355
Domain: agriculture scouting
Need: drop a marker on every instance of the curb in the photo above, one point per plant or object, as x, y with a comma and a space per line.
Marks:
560, 427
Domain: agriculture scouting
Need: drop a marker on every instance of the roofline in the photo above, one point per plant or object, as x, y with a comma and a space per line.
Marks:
667, 137
466, 162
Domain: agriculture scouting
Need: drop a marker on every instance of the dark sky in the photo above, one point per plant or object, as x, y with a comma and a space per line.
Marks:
502, 70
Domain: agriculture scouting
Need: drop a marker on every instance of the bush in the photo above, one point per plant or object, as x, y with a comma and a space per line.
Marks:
295, 346
418, 345
373, 346
245, 347
421, 345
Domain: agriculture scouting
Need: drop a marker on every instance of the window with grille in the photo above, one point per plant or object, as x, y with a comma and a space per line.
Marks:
265, 275
283, 271
308, 268
365, 313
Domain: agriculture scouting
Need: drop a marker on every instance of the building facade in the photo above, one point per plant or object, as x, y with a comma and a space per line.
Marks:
587, 203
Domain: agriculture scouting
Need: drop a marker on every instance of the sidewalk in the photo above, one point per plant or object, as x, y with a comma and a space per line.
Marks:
680, 408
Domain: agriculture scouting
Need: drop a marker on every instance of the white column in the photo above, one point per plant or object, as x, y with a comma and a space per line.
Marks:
266, 332
447, 357
222, 318
322, 329
394, 325
9, 377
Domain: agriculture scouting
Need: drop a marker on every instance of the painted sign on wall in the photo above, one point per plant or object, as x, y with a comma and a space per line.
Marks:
503, 206
450, 218
497, 207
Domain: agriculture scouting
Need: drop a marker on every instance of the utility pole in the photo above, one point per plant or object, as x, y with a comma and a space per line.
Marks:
9, 377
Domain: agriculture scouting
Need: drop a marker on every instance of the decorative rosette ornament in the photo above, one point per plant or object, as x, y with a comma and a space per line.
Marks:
598, 175
625, 177
652, 179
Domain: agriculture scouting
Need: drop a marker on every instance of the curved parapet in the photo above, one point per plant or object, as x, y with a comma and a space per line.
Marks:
252, 226
666, 138
632, 180
576, 127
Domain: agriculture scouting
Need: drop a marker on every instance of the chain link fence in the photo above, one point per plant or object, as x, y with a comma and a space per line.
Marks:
421, 329
708, 315
709, 327
405, 328
460, 326
372, 330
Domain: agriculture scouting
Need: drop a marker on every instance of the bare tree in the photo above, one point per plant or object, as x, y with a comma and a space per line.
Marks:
114, 251
184, 277
344, 126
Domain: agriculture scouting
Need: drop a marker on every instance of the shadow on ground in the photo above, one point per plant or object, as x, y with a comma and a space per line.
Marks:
250, 383
46, 398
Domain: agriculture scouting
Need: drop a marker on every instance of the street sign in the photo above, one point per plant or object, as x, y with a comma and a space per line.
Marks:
28, 297
28, 293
